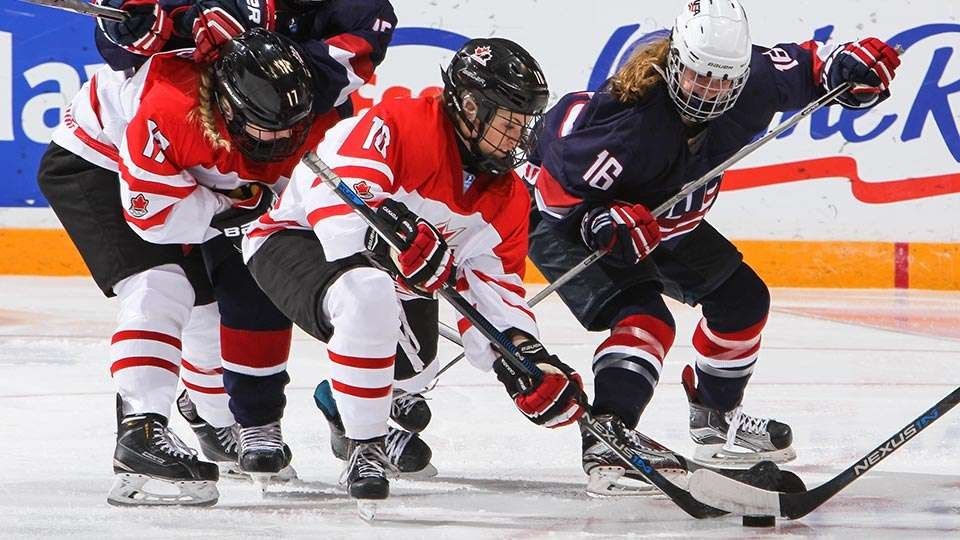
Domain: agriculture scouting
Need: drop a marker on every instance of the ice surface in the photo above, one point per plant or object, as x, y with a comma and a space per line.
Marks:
845, 368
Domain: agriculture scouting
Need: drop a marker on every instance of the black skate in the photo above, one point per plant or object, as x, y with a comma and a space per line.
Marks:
406, 451
410, 411
608, 475
734, 438
263, 455
147, 450
219, 445
366, 475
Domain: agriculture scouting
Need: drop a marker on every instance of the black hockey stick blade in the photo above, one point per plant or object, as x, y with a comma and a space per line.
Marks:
745, 500
83, 8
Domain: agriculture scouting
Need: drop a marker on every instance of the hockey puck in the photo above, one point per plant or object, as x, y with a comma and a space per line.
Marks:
759, 521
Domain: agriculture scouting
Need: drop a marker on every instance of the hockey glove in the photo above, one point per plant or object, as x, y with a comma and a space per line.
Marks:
869, 63
250, 202
628, 233
214, 23
424, 261
145, 31
556, 400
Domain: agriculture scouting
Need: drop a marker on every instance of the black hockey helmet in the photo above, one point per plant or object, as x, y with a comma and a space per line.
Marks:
265, 92
499, 76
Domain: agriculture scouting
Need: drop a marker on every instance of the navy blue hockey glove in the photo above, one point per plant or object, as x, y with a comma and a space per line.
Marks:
424, 261
555, 400
145, 31
250, 202
628, 233
869, 63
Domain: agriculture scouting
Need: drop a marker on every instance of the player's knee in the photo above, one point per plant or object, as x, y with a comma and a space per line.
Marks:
365, 298
743, 299
162, 295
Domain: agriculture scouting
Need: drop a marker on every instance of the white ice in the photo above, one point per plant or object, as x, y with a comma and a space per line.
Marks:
846, 369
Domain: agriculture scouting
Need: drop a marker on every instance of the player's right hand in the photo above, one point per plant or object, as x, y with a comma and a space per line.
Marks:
556, 400
145, 31
424, 260
215, 23
628, 233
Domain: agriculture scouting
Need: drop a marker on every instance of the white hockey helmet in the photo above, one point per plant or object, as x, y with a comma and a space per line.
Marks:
709, 59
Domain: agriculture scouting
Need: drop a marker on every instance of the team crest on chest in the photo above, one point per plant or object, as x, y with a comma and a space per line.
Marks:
363, 190
138, 205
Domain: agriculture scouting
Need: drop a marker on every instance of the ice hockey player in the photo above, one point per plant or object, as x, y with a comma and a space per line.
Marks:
343, 44
439, 170
678, 107
196, 147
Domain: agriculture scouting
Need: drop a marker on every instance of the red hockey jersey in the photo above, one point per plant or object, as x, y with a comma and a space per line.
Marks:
169, 170
406, 149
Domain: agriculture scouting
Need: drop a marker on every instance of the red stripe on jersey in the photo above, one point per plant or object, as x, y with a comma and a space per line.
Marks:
124, 335
95, 100
357, 391
360, 362
365, 173
205, 389
463, 325
660, 330
143, 224
255, 348
203, 371
107, 150
325, 212
361, 49
144, 361
515, 289
813, 47
154, 188
552, 193
523, 309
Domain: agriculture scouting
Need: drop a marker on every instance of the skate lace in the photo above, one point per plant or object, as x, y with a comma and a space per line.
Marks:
397, 440
266, 437
403, 402
369, 461
227, 437
168, 442
740, 421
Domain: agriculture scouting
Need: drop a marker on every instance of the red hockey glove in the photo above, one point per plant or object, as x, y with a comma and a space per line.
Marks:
869, 63
216, 22
628, 233
424, 260
557, 400
145, 31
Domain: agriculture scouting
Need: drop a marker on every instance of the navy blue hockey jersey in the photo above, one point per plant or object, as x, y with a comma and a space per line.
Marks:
594, 149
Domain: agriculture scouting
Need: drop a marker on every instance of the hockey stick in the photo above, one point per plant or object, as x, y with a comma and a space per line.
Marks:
83, 8
509, 351
682, 194
750, 501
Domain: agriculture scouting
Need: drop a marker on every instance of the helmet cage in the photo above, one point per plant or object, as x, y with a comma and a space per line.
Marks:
701, 97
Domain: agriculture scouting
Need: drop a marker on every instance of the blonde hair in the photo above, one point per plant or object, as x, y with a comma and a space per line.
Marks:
203, 113
641, 72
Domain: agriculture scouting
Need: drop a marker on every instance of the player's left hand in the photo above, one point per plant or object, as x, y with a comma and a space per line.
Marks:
869, 63
145, 30
556, 400
215, 22
250, 201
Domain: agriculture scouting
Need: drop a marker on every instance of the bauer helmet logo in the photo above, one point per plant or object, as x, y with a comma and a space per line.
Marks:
138, 205
482, 54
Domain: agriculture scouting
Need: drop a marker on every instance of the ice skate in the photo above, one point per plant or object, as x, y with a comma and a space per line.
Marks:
608, 475
410, 411
367, 474
147, 451
407, 452
733, 438
263, 455
218, 445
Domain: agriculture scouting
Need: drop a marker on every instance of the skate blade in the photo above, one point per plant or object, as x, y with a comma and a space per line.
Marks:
610, 481
367, 510
716, 455
128, 490
427, 472
264, 480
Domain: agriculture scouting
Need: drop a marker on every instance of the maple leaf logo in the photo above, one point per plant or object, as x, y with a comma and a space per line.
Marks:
138, 205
